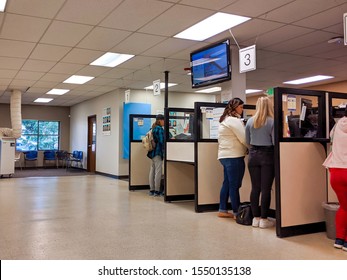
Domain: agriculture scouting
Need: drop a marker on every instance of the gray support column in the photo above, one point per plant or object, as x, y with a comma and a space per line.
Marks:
237, 86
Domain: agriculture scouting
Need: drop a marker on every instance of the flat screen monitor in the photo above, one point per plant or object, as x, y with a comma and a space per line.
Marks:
211, 64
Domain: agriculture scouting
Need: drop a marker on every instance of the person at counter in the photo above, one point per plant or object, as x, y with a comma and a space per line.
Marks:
260, 137
336, 162
156, 156
232, 149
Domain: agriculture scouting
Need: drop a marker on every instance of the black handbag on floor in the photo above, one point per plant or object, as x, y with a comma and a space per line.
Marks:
244, 214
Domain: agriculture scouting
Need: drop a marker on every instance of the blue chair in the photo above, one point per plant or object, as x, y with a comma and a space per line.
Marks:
76, 157
49, 156
30, 156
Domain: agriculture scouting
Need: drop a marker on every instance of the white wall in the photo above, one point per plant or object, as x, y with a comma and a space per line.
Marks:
109, 148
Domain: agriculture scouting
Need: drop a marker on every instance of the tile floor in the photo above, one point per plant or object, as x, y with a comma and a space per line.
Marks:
95, 217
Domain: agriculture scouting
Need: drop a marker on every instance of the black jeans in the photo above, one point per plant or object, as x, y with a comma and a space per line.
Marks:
262, 171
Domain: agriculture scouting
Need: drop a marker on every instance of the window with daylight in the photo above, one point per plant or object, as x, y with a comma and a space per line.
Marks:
39, 135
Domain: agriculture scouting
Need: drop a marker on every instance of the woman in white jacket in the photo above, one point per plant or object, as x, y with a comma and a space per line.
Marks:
337, 164
232, 149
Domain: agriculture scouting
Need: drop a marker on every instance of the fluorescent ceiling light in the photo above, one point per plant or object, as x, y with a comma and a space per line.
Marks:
309, 80
211, 26
111, 59
76, 79
210, 90
162, 85
57, 91
43, 100
253, 90
2, 5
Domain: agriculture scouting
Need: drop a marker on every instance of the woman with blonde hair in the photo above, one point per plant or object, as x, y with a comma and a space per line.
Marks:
232, 149
260, 138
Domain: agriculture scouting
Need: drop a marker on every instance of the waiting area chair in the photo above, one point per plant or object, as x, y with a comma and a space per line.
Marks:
49, 156
62, 157
30, 156
17, 158
75, 160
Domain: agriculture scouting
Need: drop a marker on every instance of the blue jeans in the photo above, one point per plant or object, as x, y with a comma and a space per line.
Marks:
234, 169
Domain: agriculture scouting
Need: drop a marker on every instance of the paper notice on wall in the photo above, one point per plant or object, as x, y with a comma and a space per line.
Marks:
303, 113
214, 123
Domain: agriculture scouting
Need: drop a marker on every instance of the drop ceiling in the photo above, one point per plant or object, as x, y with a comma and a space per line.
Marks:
43, 42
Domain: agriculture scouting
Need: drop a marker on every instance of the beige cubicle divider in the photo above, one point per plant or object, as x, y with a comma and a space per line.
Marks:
210, 177
210, 173
139, 166
179, 171
302, 183
179, 178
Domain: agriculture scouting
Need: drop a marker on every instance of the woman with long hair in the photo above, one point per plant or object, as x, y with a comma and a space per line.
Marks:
156, 156
337, 164
260, 138
232, 149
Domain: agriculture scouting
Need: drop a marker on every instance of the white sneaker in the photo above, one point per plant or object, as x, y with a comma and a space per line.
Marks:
265, 223
255, 222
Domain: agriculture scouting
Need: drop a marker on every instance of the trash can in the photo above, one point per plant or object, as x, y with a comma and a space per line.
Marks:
330, 210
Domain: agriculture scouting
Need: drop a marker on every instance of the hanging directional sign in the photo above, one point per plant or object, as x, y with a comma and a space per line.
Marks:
156, 87
247, 58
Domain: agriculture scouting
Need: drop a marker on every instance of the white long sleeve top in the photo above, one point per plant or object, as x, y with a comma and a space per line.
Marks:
231, 138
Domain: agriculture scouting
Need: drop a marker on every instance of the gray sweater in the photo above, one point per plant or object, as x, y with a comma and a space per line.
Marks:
262, 136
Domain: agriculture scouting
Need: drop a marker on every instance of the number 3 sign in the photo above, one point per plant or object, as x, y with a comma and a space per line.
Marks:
247, 59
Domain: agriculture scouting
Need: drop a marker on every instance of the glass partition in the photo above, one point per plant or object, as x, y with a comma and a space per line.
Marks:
179, 125
140, 124
303, 115
208, 115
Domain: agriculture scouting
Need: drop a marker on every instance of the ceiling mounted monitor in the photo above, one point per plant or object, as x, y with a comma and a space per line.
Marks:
211, 65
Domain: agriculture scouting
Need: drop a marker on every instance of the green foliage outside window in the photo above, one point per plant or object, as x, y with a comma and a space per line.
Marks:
39, 135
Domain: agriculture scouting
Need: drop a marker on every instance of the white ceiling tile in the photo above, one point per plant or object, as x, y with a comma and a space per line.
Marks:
101, 81
38, 65
253, 8
49, 52
208, 4
14, 49
169, 47
45, 84
82, 56
11, 63
337, 29
39, 8
129, 15
92, 13
301, 41
37, 90
29, 75
117, 73
297, 10
92, 70
324, 19
7, 74
49, 77
65, 33
103, 39
284, 33
137, 43
167, 24
23, 28
21, 85
4, 82
65, 68
139, 62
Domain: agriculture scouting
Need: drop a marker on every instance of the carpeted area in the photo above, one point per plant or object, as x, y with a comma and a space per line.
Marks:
49, 172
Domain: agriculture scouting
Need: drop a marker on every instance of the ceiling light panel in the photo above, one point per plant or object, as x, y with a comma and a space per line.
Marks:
309, 80
2, 5
76, 79
111, 59
211, 26
57, 91
43, 100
